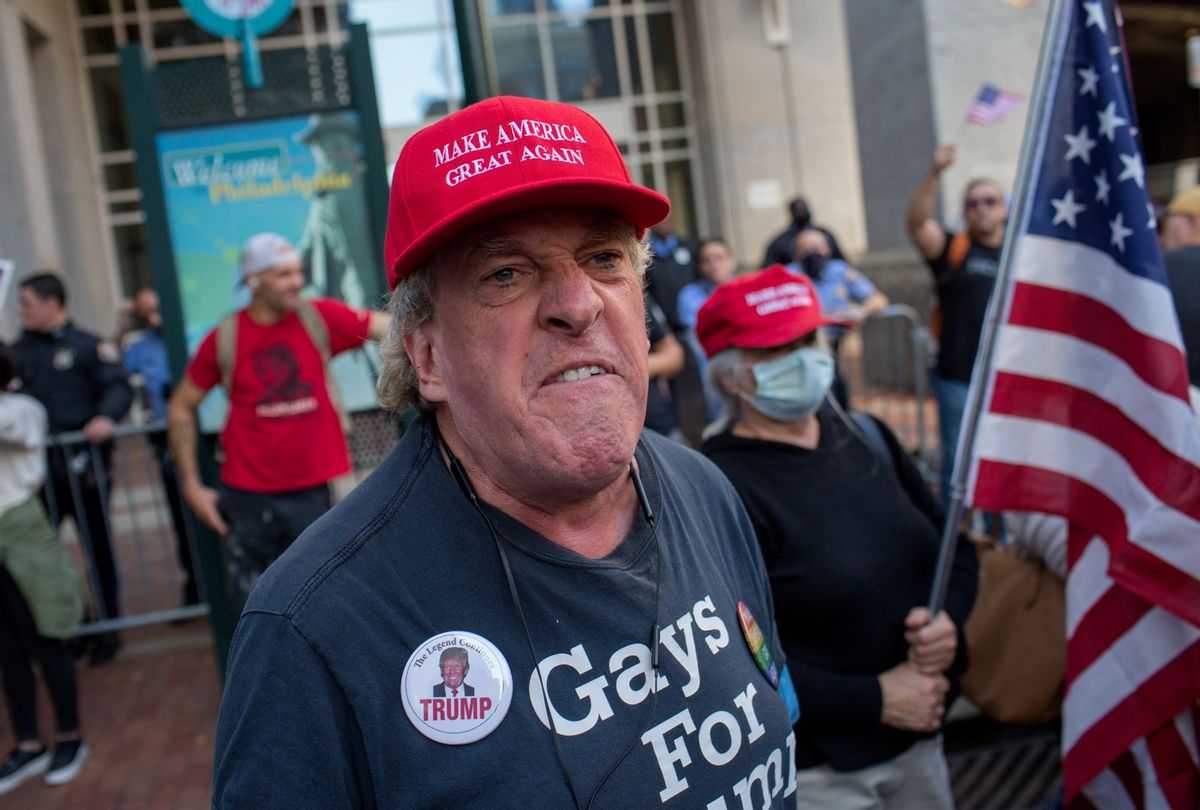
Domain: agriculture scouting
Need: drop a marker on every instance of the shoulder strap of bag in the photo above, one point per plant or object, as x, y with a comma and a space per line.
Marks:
318, 333
227, 350
875, 441
960, 245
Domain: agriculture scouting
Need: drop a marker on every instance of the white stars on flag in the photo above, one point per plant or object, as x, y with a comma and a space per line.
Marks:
1102, 187
1090, 77
1095, 16
1109, 121
1134, 170
1080, 145
1066, 209
1119, 232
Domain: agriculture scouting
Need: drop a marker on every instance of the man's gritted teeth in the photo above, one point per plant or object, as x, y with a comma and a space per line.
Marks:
576, 373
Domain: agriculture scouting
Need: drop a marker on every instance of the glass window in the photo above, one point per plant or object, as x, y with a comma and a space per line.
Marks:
575, 6
99, 40
412, 78
662, 46
641, 121
679, 191
134, 263
292, 26
119, 175
89, 7
386, 15
110, 109
635, 65
518, 61
670, 115
178, 33
584, 60
501, 8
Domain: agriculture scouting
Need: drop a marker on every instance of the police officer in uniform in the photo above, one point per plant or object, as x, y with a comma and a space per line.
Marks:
82, 384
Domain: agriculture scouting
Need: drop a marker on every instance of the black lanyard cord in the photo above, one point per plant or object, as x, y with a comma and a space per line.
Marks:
464, 482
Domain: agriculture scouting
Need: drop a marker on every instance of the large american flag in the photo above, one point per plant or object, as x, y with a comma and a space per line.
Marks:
1086, 415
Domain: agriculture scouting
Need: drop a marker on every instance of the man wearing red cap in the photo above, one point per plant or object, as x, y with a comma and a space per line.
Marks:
606, 583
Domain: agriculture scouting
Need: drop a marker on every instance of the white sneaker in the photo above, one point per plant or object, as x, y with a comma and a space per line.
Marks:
67, 761
21, 765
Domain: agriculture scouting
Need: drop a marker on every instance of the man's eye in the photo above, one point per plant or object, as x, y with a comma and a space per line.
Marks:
608, 258
504, 276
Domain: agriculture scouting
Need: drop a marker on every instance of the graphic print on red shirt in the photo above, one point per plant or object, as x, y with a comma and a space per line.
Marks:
283, 432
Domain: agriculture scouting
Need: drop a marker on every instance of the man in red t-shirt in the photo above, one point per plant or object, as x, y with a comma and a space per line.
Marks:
283, 440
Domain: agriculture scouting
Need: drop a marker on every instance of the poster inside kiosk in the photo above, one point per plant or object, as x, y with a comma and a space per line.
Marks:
300, 176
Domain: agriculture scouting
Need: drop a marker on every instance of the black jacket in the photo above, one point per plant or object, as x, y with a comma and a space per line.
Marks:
850, 547
73, 375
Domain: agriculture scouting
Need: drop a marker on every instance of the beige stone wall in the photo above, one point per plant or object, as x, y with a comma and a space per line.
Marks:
52, 192
777, 120
972, 42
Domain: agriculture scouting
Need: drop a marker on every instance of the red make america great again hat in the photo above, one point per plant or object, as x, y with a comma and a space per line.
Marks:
760, 311
502, 156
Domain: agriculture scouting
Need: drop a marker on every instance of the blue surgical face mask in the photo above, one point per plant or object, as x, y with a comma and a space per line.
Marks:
792, 387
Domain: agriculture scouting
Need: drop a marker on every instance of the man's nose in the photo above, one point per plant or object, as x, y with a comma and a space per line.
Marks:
569, 301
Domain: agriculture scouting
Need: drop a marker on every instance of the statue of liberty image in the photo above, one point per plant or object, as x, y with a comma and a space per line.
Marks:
336, 246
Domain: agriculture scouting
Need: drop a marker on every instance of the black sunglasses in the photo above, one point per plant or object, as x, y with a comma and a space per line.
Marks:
978, 202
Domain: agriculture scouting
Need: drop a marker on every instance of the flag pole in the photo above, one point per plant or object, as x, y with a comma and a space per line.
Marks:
1033, 146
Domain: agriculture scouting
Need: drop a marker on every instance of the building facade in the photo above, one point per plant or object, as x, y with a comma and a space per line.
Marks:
729, 108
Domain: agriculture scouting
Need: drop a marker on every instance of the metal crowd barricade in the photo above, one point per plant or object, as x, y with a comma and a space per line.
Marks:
885, 364
137, 515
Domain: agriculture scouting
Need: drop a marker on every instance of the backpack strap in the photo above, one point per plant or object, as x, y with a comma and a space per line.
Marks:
960, 245
318, 333
874, 438
956, 256
227, 350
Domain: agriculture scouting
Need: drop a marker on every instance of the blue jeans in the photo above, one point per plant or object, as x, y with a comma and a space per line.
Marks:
951, 396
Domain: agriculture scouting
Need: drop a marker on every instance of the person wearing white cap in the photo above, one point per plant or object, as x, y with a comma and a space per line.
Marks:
604, 581
284, 440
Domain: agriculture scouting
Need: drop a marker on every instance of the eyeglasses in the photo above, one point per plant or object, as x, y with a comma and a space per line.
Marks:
982, 202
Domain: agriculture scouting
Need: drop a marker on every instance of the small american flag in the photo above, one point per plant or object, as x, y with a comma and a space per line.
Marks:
1087, 416
992, 105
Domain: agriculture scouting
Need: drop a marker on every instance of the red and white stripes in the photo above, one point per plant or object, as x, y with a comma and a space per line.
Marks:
1087, 416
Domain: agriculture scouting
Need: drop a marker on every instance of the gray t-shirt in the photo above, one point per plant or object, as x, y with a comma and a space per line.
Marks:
314, 706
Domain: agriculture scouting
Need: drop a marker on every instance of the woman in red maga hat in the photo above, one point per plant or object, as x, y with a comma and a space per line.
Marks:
849, 533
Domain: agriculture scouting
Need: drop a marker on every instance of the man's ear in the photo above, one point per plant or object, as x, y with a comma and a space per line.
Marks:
421, 347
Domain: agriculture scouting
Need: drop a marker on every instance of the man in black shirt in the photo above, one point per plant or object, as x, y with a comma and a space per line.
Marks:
81, 382
1183, 273
964, 269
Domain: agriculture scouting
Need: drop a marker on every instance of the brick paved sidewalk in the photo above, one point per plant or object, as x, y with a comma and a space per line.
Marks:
149, 718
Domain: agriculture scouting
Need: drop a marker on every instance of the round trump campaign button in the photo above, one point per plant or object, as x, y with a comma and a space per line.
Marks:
456, 687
